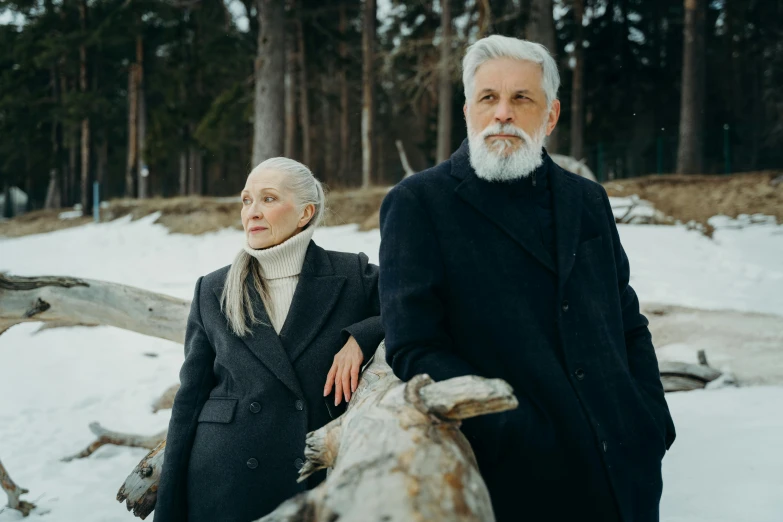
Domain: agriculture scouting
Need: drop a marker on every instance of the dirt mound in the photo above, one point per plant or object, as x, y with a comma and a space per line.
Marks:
698, 198
194, 215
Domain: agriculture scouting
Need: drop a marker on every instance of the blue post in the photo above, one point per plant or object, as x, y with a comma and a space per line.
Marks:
96, 202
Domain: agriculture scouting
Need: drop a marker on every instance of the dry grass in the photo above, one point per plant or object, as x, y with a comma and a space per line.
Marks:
698, 198
686, 198
194, 215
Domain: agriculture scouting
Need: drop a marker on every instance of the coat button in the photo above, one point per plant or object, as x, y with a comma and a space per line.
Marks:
604, 445
565, 306
579, 374
299, 405
298, 463
255, 407
252, 463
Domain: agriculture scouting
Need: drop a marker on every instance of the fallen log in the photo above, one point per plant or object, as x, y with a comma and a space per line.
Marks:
397, 453
140, 489
116, 438
14, 493
166, 401
69, 300
679, 376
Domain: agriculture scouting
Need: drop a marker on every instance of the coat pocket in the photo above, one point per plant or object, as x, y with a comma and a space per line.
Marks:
218, 409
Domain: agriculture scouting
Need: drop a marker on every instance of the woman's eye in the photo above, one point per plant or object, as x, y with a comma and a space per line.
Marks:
245, 201
269, 199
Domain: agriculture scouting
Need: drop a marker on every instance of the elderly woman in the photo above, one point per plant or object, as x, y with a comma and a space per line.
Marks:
266, 339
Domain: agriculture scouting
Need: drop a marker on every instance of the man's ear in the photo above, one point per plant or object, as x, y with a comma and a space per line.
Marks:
554, 116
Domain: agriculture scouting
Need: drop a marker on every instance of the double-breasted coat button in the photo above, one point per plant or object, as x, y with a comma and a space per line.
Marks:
565, 305
299, 404
298, 463
604, 445
252, 463
255, 407
579, 374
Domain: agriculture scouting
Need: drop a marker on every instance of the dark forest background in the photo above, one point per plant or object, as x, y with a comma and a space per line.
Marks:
182, 97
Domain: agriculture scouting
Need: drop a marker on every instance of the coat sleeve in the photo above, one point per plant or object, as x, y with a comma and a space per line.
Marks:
411, 289
197, 379
642, 361
368, 332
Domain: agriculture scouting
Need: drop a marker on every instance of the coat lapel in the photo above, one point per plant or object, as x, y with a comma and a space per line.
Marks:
494, 201
315, 296
265, 344
567, 196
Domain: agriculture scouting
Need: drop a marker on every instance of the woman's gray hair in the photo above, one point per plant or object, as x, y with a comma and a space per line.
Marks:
497, 46
235, 301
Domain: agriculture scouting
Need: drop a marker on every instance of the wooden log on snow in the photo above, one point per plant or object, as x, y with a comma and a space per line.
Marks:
68, 300
397, 454
166, 401
104, 437
14, 493
140, 489
679, 376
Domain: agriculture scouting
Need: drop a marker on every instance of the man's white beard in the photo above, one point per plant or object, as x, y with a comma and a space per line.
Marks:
490, 161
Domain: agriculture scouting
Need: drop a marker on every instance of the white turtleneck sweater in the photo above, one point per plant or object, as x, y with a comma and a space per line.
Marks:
280, 266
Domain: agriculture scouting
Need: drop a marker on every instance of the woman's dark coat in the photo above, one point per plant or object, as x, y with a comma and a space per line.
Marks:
468, 287
237, 431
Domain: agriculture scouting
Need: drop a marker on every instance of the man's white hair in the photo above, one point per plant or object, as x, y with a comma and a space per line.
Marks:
497, 46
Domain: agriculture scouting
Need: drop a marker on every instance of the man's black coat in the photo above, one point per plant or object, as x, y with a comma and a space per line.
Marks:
467, 287
236, 437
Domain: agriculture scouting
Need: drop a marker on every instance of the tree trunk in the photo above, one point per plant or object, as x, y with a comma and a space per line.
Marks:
142, 120
183, 173
327, 135
304, 101
289, 145
689, 154
133, 111
345, 123
540, 28
85, 148
195, 171
577, 87
444, 84
87, 302
368, 92
73, 163
269, 124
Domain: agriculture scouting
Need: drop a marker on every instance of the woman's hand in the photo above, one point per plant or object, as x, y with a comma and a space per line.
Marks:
344, 374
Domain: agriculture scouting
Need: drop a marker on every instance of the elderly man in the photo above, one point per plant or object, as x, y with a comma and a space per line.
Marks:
499, 263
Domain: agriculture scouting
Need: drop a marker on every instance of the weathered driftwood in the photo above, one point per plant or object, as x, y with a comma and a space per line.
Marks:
105, 437
68, 300
14, 493
398, 454
140, 490
679, 376
166, 401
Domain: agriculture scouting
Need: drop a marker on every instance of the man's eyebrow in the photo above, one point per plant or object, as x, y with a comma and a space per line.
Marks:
486, 90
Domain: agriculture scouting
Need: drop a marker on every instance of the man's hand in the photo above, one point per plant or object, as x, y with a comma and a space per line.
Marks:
344, 374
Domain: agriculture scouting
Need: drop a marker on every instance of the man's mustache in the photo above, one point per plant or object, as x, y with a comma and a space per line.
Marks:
507, 129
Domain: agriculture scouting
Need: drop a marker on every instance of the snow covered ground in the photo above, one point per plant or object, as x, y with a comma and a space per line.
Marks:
727, 463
